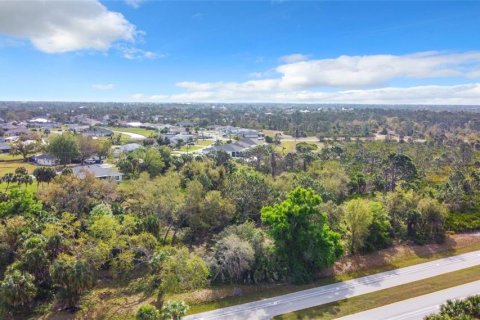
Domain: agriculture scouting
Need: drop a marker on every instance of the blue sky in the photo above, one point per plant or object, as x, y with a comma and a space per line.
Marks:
278, 51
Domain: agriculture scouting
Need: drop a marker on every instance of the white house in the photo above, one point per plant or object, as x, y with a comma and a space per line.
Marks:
46, 160
126, 148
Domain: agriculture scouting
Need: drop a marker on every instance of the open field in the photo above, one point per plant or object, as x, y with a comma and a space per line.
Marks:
287, 146
142, 131
9, 157
124, 138
33, 188
9, 167
387, 296
204, 143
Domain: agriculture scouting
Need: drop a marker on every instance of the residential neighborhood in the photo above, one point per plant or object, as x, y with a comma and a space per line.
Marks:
33, 138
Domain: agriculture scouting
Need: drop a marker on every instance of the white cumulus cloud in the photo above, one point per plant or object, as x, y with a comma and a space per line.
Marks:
132, 53
134, 3
465, 94
353, 79
64, 26
291, 58
374, 70
103, 86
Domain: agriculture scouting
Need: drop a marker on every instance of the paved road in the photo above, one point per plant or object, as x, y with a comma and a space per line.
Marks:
419, 307
268, 308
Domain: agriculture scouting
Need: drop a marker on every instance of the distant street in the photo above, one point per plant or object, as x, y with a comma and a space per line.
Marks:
419, 307
268, 308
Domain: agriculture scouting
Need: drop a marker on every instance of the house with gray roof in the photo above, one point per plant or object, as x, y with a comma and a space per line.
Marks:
126, 148
97, 132
235, 150
99, 171
4, 147
129, 147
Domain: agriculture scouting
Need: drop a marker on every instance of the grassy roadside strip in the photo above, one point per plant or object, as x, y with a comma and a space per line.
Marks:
268, 291
383, 297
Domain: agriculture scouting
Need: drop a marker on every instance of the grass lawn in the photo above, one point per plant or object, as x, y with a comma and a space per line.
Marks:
124, 138
268, 291
287, 146
383, 297
144, 132
30, 187
9, 157
204, 143
9, 167
290, 146
190, 148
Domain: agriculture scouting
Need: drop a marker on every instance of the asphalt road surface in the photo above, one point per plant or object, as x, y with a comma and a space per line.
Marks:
268, 308
419, 307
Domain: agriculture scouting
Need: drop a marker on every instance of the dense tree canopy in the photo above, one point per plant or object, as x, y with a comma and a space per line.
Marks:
301, 233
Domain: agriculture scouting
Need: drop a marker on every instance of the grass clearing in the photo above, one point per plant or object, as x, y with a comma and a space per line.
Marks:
383, 297
142, 131
287, 146
204, 143
9, 157
9, 167
392, 259
33, 188
190, 148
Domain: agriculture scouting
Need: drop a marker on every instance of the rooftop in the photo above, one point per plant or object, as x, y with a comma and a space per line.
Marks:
98, 170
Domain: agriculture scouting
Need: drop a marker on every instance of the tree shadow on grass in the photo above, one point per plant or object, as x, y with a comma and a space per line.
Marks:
429, 251
326, 311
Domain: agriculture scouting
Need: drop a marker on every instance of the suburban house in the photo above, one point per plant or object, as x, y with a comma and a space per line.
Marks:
14, 129
229, 131
100, 171
45, 160
251, 134
126, 148
4, 147
183, 137
97, 132
42, 123
93, 160
129, 147
78, 128
235, 150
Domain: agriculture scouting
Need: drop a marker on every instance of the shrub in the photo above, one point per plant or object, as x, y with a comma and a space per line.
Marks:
147, 312
174, 310
461, 222
17, 289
